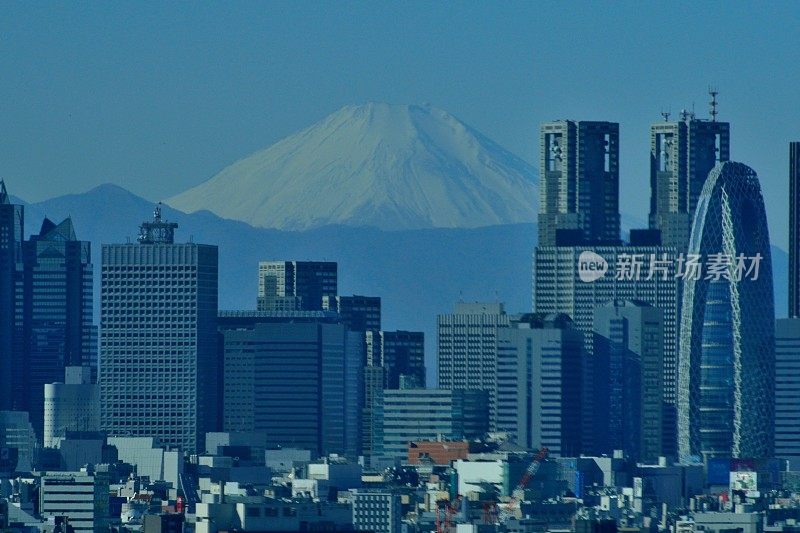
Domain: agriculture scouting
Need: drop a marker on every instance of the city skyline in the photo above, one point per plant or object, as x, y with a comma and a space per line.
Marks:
388, 321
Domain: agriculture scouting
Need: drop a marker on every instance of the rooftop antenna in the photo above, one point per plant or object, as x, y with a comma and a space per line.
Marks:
666, 115
684, 115
692, 115
713, 92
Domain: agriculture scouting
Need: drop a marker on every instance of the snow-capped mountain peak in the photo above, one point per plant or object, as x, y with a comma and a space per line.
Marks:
380, 165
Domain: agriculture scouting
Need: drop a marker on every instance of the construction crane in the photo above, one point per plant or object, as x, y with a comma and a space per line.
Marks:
519, 491
449, 511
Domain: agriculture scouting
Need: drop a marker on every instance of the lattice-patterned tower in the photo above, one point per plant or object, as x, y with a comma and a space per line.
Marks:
727, 344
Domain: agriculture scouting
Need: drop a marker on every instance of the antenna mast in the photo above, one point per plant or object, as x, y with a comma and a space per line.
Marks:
713, 92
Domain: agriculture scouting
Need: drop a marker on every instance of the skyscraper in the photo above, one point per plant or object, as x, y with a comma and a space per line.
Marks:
394, 360
295, 285
628, 377
358, 313
57, 311
295, 375
539, 383
361, 315
579, 197
643, 273
682, 154
787, 391
12, 218
467, 348
727, 345
401, 354
158, 338
794, 229
374, 385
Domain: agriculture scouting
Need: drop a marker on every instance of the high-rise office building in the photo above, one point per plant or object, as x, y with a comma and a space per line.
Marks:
158, 338
362, 315
575, 280
794, 229
358, 313
467, 347
12, 219
57, 311
295, 285
579, 164
295, 375
682, 154
394, 360
401, 354
539, 360
407, 415
628, 379
727, 345
374, 385
787, 391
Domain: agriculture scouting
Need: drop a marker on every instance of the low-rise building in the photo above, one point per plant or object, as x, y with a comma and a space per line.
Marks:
71, 406
376, 511
151, 460
256, 514
82, 497
437, 452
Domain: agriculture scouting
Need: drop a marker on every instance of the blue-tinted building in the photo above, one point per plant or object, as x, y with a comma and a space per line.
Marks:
628, 378
296, 285
682, 153
158, 338
539, 383
727, 344
12, 218
57, 312
787, 391
296, 375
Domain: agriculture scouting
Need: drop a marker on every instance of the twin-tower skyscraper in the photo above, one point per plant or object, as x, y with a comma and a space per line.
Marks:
579, 183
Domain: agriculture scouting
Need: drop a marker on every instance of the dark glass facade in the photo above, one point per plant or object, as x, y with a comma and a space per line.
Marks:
794, 230
11, 237
727, 344
57, 312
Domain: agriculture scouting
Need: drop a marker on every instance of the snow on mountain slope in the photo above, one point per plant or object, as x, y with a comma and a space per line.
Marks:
386, 166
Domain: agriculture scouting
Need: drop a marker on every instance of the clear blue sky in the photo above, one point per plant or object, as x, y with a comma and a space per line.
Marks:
157, 97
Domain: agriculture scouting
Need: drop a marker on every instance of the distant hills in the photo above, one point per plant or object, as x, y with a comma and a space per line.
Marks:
392, 167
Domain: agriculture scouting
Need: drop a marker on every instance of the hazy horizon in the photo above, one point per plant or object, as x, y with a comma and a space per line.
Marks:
160, 97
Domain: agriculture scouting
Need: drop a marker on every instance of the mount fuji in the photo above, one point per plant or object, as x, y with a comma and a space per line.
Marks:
392, 167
